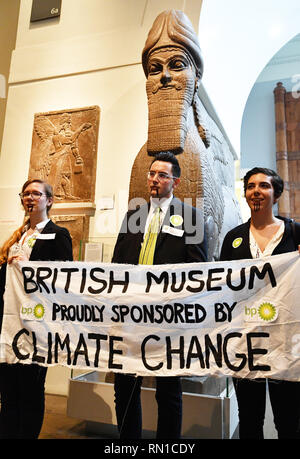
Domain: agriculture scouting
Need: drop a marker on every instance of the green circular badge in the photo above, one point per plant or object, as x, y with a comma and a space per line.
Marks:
237, 242
39, 311
176, 220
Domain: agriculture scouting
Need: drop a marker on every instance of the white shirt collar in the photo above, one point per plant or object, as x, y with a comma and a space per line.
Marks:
254, 248
39, 227
163, 203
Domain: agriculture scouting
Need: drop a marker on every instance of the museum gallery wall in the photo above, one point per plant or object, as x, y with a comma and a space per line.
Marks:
77, 96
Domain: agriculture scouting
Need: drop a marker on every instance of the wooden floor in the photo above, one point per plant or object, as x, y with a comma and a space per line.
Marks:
57, 425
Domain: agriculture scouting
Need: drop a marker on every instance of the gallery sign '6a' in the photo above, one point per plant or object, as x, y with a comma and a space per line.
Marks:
45, 9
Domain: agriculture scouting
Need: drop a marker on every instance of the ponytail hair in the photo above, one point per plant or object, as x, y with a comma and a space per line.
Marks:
16, 236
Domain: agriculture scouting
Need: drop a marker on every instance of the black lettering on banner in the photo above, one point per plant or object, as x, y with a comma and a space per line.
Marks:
79, 351
136, 314
62, 344
178, 310
55, 271
211, 279
96, 279
29, 280
164, 277
69, 272
41, 275
252, 352
15, 344
159, 309
98, 338
242, 283
217, 348
179, 350
199, 308
222, 315
114, 309
83, 280
124, 311
35, 357
143, 349
217, 353
49, 358
113, 351
148, 313
191, 277
113, 282
55, 310
195, 355
181, 285
242, 356
254, 271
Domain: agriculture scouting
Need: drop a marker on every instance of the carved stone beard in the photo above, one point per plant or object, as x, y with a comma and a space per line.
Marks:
167, 113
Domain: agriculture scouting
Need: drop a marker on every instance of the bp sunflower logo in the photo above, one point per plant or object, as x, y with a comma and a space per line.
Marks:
237, 242
267, 312
176, 220
39, 311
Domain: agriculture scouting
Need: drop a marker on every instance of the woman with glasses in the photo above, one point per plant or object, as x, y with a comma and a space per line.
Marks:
22, 386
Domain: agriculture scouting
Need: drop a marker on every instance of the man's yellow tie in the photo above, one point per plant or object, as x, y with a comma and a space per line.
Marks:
148, 246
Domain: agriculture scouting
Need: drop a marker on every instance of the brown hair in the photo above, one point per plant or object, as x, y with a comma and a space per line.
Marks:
276, 180
16, 236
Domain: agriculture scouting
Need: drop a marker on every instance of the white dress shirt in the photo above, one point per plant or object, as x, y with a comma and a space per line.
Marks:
254, 248
25, 245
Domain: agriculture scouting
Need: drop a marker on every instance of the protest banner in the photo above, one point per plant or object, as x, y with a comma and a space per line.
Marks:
238, 318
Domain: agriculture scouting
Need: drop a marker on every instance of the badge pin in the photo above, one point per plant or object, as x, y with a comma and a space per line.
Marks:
237, 242
176, 220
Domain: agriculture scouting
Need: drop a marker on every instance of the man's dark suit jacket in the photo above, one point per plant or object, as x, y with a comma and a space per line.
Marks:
169, 248
57, 249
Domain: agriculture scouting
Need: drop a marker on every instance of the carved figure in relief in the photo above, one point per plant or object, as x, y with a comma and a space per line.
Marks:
59, 144
177, 122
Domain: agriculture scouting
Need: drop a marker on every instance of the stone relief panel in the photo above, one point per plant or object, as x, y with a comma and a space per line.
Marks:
64, 152
78, 227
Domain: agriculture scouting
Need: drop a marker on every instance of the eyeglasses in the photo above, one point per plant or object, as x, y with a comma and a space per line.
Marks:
34, 194
161, 176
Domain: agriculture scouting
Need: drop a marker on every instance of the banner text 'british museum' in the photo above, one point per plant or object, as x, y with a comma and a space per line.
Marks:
238, 318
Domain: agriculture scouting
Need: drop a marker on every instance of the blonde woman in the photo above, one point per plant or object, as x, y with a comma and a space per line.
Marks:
22, 386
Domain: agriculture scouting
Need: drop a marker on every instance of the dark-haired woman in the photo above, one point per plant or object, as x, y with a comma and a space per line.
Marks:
264, 235
22, 386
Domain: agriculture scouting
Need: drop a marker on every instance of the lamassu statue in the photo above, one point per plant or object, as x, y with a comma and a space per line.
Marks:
177, 122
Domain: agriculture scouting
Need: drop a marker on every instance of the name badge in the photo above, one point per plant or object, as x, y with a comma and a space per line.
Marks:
46, 236
174, 231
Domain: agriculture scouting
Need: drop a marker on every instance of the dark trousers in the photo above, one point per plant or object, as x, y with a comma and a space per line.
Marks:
285, 402
22, 400
129, 410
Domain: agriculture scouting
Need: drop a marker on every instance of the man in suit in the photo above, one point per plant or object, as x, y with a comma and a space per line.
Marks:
180, 239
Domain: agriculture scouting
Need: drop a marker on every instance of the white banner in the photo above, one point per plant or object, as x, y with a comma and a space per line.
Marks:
238, 318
